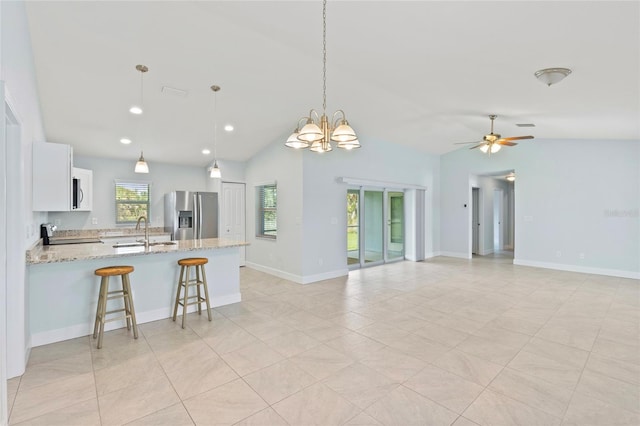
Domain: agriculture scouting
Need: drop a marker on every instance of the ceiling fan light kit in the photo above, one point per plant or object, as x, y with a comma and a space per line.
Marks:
551, 76
493, 142
317, 132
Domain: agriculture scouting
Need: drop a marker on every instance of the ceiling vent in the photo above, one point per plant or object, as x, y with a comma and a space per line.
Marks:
174, 92
526, 125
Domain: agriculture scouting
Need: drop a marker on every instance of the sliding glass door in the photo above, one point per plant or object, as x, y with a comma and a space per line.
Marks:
395, 223
353, 226
375, 226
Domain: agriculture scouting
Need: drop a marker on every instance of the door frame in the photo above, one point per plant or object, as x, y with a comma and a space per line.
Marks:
476, 204
243, 249
498, 219
13, 312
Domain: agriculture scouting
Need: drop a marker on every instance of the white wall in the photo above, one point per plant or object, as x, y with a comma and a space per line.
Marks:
283, 256
324, 199
232, 171
17, 70
163, 177
572, 197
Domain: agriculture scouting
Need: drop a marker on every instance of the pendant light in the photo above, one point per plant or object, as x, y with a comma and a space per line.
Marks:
141, 165
138, 109
317, 132
215, 170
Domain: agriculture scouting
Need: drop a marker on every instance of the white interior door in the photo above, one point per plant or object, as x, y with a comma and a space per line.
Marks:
498, 220
475, 220
233, 217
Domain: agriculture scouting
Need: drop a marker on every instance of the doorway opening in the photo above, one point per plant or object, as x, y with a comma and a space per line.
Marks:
475, 221
492, 215
375, 226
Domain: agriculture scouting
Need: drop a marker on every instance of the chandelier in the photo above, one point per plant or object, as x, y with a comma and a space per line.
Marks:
317, 131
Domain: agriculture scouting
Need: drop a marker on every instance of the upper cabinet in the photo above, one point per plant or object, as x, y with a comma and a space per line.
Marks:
53, 180
52, 164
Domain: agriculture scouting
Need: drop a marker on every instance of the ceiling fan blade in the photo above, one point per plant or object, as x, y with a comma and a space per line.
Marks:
462, 143
506, 143
517, 138
478, 146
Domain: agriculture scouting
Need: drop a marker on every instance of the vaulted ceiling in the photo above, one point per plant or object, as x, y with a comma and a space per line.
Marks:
424, 74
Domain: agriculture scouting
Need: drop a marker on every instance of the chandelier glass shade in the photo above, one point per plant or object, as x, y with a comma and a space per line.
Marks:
318, 132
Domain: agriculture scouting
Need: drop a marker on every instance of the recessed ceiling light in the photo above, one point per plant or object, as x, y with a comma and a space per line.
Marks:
206, 151
135, 110
125, 141
228, 127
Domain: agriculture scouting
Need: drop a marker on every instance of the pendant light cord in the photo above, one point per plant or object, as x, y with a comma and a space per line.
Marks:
324, 57
142, 90
215, 125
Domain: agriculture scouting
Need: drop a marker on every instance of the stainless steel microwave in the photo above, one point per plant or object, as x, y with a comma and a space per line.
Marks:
76, 194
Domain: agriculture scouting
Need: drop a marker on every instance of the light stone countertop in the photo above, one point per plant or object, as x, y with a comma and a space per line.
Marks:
77, 252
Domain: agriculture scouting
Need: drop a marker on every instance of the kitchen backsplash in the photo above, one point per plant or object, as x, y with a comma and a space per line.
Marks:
112, 232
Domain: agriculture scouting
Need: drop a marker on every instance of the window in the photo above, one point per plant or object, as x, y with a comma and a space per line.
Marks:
267, 211
132, 201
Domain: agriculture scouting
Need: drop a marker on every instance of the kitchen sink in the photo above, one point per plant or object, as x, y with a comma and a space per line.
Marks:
141, 244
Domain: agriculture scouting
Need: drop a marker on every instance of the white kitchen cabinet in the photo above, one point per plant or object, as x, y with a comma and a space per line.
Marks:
85, 179
52, 164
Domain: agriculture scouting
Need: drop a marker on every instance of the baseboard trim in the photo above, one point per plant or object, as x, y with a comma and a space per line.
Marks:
576, 268
455, 254
81, 330
325, 276
306, 279
275, 272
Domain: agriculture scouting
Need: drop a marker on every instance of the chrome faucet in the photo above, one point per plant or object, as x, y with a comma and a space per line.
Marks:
146, 230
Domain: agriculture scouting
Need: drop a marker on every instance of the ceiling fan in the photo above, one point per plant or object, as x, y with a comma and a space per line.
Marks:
492, 142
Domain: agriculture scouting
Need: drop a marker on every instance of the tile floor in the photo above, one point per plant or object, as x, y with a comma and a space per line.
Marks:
446, 341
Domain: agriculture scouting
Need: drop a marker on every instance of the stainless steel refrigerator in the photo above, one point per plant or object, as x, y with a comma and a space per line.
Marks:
191, 215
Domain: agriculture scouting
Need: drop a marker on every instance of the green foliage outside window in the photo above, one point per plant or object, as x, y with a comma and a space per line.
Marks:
132, 201
353, 240
267, 211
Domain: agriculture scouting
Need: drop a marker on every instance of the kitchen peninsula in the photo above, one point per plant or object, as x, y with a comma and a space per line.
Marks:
63, 290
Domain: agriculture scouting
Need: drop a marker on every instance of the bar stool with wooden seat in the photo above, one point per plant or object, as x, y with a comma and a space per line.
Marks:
185, 281
106, 295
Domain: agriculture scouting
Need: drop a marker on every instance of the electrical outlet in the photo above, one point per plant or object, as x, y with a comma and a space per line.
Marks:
581, 255
558, 253
320, 261
94, 220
